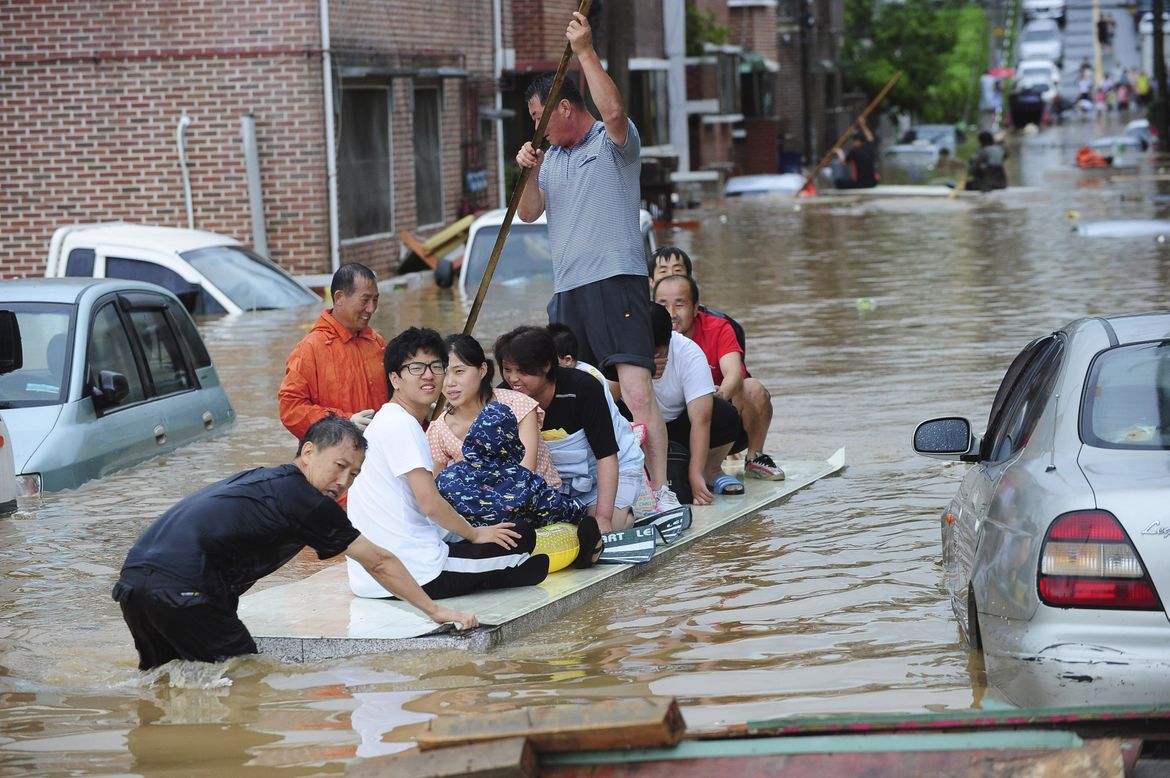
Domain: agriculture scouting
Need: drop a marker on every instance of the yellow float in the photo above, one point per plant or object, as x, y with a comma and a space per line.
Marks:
559, 541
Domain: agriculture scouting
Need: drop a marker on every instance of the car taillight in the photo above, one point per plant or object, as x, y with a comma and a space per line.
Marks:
1087, 561
28, 484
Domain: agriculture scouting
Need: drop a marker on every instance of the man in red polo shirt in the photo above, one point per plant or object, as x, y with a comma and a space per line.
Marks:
715, 336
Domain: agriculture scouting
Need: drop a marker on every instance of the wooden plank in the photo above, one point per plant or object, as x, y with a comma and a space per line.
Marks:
651, 722
1097, 758
1095, 721
507, 758
415, 245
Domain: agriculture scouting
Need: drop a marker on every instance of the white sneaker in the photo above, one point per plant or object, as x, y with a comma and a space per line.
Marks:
666, 499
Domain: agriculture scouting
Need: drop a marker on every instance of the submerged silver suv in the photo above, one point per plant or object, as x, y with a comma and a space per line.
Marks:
105, 374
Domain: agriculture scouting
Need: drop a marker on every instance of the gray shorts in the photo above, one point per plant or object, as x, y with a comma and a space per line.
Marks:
611, 319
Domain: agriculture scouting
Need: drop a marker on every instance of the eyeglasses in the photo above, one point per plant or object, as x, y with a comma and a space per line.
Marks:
418, 368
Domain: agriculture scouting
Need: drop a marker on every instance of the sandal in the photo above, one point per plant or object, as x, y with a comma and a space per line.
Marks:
588, 537
726, 484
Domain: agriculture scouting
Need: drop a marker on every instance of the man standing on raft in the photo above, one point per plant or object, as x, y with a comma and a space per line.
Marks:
588, 181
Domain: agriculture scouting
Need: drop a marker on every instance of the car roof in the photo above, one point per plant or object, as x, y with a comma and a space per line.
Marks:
764, 182
69, 290
1138, 327
917, 147
1129, 328
146, 236
1041, 24
1036, 63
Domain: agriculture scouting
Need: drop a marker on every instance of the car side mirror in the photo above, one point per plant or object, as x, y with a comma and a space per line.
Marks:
110, 390
11, 353
946, 438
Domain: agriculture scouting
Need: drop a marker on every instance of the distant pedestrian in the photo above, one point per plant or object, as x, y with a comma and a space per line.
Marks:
860, 161
1142, 89
985, 169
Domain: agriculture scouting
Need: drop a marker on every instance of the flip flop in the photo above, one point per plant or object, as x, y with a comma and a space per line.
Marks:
588, 542
726, 484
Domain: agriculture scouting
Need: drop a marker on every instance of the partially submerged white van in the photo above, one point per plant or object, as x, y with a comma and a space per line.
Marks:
526, 252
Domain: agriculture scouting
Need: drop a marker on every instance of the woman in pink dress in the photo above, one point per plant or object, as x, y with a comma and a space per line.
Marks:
468, 388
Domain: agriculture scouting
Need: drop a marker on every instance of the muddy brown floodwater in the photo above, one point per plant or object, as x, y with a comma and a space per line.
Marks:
831, 602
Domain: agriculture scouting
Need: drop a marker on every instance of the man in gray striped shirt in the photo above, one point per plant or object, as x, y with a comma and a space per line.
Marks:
588, 182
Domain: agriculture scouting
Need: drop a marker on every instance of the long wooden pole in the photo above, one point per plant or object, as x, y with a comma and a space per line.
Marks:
845, 136
525, 174
514, 201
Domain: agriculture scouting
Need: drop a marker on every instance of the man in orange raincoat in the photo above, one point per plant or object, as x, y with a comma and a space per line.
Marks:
337, 367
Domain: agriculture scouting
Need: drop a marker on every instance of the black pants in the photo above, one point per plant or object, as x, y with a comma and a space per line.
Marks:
170, 621
471, 567
726, 427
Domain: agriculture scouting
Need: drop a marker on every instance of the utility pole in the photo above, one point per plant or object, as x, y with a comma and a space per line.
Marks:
1161, 115
619, 21
807, 20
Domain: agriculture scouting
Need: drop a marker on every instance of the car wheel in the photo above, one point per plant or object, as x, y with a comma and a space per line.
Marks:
445, 273
974, 636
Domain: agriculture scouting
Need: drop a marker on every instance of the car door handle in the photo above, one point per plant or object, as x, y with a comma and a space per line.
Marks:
160, 434
208, 420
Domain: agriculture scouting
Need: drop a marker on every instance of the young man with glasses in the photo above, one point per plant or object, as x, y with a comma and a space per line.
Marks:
394, 501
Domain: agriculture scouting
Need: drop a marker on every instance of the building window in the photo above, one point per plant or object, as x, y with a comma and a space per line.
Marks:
428, 159
363, 163
758, 92
727, 76
648, 106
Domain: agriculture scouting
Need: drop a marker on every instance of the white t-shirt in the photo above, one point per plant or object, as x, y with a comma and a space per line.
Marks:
382, 506
630, 457
687, 377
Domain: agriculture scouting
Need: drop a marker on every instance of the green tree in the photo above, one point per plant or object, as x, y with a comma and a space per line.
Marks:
940, 47
703, 27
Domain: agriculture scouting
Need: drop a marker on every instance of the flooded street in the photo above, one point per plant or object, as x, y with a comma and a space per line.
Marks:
831, 602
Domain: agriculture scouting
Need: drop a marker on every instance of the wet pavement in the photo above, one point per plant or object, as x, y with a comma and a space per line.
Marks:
829, 603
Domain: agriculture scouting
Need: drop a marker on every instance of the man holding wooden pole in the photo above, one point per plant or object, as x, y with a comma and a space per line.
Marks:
588, 182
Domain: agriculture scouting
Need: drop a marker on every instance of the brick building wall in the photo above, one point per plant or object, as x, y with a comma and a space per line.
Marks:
538, 31
91, 114
90, 120
754, 28
403, 44
789, 90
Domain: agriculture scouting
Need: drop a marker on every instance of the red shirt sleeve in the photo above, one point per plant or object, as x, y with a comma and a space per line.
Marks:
716, 337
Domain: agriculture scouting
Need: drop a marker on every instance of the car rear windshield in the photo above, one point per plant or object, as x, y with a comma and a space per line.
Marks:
1039, 36
526, 254
1127, 398
252, 282
45, 345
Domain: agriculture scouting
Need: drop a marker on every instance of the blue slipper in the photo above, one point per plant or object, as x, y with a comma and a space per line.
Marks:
726, 484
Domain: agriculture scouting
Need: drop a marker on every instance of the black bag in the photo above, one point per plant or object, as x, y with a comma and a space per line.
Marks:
678, 460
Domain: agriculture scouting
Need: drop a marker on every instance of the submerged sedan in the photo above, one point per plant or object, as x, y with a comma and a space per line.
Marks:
208, 272
1056, 548
101, 375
